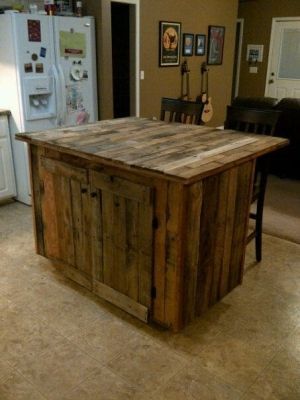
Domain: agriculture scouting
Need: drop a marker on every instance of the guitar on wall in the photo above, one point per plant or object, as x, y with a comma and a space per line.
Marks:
185, 77
204, 98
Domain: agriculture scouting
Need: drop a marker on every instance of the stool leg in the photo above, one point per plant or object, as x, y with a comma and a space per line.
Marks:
260, 207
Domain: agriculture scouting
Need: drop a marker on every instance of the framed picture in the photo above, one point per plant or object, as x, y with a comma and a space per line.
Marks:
169, 43
200, 44
216, 35
187, 44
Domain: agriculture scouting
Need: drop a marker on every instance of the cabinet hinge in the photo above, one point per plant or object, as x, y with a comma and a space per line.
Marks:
155, 223
153, 292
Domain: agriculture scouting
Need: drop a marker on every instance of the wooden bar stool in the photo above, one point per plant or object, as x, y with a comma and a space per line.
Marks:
259, 122
176, 110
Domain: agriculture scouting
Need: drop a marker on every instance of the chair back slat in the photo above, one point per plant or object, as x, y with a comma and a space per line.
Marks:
176, 110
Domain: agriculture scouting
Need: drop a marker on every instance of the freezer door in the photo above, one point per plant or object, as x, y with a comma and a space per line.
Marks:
35, 64
76, 64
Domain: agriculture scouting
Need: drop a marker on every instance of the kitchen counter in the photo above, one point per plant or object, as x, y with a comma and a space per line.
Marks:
150, 216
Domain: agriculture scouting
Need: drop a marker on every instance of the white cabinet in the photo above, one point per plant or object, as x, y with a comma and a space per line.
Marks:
7, 176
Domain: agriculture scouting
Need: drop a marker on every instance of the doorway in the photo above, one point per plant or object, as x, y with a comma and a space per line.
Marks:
283, 76
125, 57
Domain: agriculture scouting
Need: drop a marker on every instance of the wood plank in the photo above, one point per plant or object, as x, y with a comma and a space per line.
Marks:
64, 169
160, 206
208, 232
34, 154
96, 219
107, 227
120, 186
81, 226
124, 302
222, 216
245, 180
175, 234
132, 245
228, 234
145, 235
72, 273
49, 215
63, 210
191, 259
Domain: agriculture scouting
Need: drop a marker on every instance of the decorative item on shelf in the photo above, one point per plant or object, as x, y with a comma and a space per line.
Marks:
216, 35
169, 43
187, 44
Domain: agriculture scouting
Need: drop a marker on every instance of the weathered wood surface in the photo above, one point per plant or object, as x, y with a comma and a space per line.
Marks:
150, 216
178, 151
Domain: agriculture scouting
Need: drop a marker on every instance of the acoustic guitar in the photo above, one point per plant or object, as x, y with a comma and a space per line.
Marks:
204, 98
185, 78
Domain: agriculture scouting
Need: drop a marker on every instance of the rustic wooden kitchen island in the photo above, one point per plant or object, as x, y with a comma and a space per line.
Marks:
148, 215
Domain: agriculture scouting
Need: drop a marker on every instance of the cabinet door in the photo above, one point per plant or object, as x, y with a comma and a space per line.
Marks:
65, 215
122, 213
7, 177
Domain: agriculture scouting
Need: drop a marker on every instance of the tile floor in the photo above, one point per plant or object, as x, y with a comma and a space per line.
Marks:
58, 342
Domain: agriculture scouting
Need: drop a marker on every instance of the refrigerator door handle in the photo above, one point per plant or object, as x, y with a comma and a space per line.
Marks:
58, 96
63, 93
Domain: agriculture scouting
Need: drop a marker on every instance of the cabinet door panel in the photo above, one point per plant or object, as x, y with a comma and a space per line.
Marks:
65, 213
124, 236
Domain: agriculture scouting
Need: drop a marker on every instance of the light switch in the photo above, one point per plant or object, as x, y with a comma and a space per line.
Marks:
253, 70
142, 75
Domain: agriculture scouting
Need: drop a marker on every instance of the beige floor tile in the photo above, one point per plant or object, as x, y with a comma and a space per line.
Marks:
28, 342
60, 342
148, 365
233, 359
104, 340
279, 381
15, 387
104, 385
196, 383
59, 370
5, 371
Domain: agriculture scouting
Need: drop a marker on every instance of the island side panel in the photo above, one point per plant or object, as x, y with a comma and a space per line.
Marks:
217, 222
34, 153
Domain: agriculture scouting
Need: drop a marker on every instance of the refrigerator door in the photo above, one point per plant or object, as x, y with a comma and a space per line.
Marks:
76, 64
35, 61
36, 86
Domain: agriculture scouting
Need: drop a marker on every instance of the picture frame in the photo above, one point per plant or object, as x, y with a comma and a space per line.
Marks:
169, 43
187, 44
200, 44
216, 36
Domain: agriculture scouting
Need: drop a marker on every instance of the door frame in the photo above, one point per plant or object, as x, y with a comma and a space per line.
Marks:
136, 4
239, 57
272, 38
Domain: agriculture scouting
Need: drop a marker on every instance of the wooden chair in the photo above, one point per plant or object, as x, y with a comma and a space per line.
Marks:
176, 110
259, 122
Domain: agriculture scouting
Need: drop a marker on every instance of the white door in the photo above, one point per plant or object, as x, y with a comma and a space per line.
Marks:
283, 77
76, 64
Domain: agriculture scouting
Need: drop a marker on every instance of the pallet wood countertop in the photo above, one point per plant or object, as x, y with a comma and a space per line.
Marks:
148, 215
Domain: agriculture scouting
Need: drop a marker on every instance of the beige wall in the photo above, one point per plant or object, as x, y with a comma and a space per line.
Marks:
257, 30
195, 16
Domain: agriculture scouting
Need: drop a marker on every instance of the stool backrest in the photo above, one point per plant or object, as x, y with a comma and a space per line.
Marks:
251, 120
176, 110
